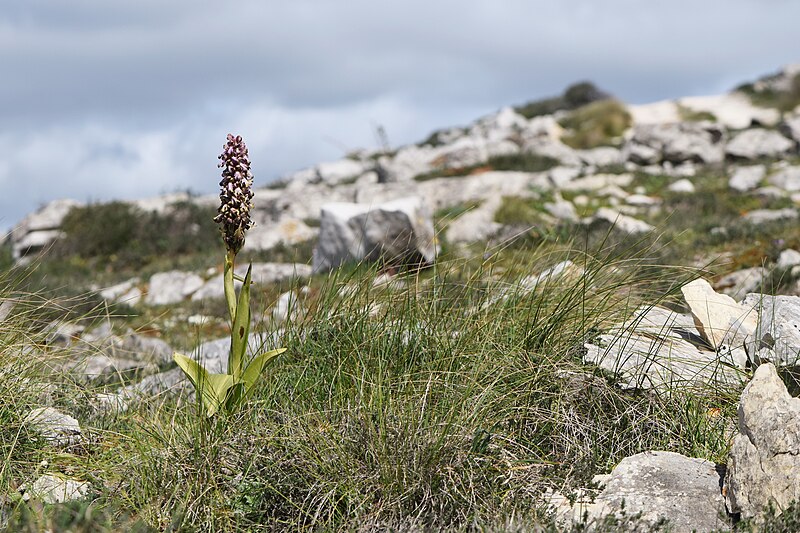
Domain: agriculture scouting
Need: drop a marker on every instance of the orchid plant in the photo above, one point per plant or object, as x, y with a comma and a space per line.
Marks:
227, 392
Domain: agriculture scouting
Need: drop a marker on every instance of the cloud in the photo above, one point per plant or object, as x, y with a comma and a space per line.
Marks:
103, 161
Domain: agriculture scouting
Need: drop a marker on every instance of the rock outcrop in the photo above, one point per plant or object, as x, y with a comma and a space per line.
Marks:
655, 488
398, 232
764, 462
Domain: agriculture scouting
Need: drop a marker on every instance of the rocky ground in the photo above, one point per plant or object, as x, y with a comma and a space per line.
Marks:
708, 187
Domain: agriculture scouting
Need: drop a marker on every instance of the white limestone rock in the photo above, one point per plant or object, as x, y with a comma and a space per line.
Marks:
54, 426
397, 231
684, 186
596, 182
757, 142
747, 178
261, 274
564, 270
778, 327
39, 229
100, 368
665, 363
562, 209
791, 127
787, 178
126, 292
172, 287
787, 259
656, 486
640, 154
737, 284
52, 488
733, 110
606, 217
601, 156
718, 317
660, 349
288, 306
287, 230
761, 216
698, 142
476, 224
662, 112
764, 462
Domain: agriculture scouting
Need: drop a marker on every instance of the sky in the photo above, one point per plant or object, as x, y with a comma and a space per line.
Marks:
105, 100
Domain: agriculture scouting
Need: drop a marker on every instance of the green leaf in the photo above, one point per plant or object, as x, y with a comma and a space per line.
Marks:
213, 388
236, 397
240, 329
255, 368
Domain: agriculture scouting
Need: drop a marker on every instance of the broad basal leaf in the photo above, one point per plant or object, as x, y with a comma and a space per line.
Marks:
213, 388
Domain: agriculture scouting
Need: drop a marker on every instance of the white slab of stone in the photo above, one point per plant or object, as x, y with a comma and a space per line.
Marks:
719, 318
621, 222
172, 287
747, 178
56, 488
755, 143
653, 487
54, 426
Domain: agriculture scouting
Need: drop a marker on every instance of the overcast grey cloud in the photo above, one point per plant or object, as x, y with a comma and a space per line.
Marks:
105, 100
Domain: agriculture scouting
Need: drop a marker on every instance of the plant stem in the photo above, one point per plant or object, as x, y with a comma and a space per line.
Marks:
230, 292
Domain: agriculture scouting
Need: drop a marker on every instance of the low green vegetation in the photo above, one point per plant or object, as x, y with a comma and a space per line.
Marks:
515, 210
120, 236
688, 114
574, 96
596, 124
432, 406
783, 100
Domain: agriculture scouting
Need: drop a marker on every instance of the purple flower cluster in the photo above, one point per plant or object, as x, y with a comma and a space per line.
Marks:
236, 194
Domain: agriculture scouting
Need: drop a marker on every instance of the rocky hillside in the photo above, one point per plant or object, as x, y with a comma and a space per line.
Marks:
550, 147
637, 265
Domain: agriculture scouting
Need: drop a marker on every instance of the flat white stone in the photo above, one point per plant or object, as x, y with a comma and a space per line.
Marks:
719, 318
52, 489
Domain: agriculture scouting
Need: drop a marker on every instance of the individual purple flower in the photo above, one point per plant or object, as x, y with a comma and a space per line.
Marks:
236, 194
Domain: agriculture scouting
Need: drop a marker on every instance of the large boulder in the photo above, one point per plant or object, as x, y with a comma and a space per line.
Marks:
38, 230
777, 337
399, 231
698, 142
787, 178
791, 127
655, 488
757, 142
287, 230
764, 462
172, 287
747, 178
